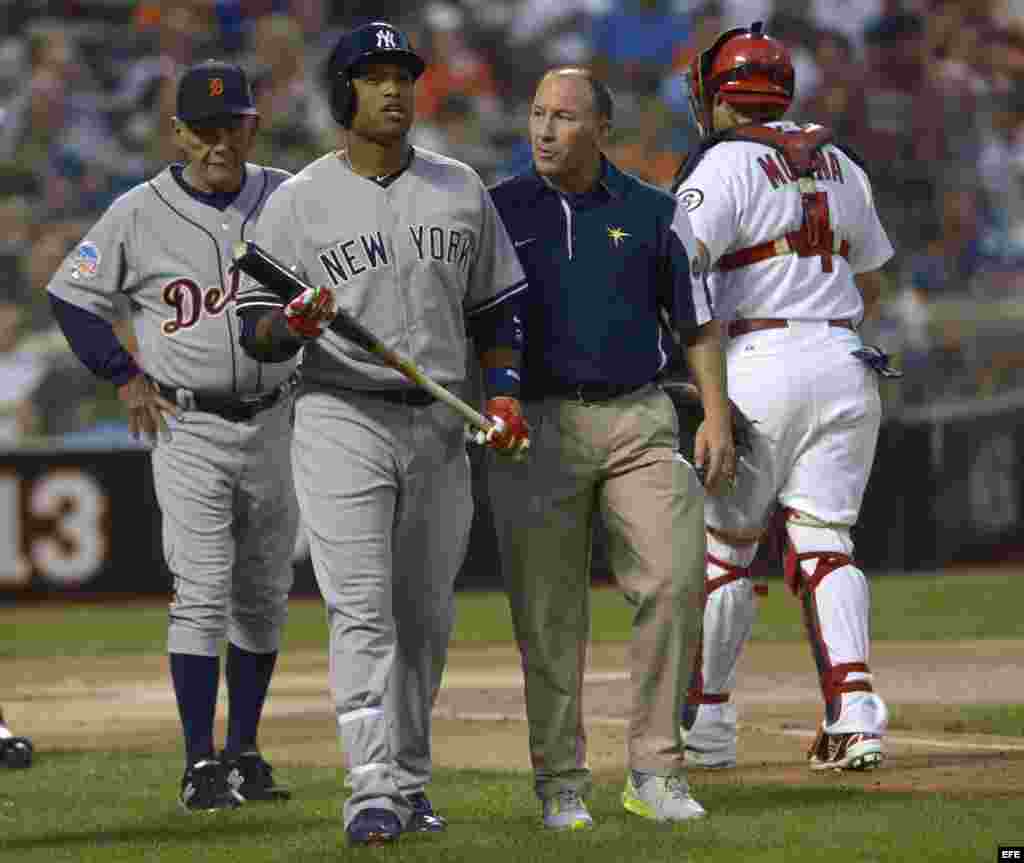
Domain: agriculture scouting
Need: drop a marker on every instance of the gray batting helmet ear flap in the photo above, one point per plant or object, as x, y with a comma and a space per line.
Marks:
377, 40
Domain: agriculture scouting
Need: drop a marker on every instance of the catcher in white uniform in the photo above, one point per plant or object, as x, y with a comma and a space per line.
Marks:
794, 244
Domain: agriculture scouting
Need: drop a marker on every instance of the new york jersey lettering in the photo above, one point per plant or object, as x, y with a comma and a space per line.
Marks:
349, 258
446, 245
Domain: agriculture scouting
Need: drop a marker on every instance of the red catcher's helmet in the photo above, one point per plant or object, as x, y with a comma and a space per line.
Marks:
750, 70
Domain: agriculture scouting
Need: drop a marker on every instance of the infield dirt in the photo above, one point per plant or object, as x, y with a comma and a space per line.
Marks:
126, 703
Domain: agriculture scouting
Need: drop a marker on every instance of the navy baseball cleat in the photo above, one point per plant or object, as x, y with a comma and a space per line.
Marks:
204, 788
16, 752
424, 819
253, 778
373, 827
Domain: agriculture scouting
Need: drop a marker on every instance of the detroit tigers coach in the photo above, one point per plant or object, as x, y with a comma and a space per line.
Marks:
219, 420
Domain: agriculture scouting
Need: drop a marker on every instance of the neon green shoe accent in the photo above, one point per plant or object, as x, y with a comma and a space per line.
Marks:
632, 803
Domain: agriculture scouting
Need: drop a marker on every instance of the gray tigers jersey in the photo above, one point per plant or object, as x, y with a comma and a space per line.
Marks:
168, 255
411, 262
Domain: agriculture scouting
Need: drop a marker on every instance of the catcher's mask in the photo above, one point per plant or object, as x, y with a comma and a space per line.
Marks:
375, 41
750, 70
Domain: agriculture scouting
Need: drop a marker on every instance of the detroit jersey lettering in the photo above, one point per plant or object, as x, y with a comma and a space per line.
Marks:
383, 251
169, 255
734, 209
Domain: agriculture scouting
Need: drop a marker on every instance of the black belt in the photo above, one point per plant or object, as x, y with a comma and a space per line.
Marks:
590, 393
414, 398
237, 409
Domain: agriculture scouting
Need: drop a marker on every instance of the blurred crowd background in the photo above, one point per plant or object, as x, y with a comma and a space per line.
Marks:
930, 93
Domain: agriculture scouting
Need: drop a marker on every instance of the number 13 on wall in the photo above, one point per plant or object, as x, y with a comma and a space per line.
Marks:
54, 526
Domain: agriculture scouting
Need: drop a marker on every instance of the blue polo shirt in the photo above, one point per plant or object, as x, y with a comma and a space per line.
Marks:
600, 266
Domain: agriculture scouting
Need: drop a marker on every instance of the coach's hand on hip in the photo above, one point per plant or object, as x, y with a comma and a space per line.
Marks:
146, 409
714, 453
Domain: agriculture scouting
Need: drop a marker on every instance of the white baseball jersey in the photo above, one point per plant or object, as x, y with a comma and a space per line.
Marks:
410, 262
169, 255
743, 193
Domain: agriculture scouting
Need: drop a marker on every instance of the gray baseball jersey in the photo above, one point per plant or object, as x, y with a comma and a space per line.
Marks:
169, 254
410, 262
384, 486
224, 488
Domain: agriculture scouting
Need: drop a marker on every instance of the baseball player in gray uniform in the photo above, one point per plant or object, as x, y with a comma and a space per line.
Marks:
219, 420
408, 243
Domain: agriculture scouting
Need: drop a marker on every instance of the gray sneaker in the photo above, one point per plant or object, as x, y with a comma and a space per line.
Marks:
566, 811
660, 798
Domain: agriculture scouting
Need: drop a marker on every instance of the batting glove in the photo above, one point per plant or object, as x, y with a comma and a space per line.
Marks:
310, 312
510, 434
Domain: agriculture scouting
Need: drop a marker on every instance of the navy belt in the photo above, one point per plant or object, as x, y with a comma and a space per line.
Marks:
236, 409
590, 393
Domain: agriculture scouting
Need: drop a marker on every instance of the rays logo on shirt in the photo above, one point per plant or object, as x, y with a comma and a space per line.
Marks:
85, 262
617, 235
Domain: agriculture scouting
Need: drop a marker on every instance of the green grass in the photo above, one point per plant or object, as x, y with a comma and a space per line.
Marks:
904, 607
1006, 719
95, 808
917, 608
104, 807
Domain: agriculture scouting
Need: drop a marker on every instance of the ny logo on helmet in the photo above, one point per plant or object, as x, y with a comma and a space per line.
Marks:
386, 39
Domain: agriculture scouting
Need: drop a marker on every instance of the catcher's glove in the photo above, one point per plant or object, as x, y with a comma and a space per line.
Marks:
690, 410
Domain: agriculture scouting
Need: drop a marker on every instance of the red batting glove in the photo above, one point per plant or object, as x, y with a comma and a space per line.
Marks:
510, 434
310, 312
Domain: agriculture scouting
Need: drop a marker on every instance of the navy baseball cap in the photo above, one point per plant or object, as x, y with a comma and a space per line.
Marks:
213, 88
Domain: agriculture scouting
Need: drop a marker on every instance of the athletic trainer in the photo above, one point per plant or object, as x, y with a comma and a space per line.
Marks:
608, 259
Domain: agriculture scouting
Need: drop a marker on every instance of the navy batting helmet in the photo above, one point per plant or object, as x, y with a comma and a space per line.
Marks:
375, 41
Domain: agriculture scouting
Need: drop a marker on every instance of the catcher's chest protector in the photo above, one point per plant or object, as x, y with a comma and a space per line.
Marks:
800, 150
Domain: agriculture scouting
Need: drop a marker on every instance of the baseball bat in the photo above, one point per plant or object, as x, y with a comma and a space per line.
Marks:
271, 273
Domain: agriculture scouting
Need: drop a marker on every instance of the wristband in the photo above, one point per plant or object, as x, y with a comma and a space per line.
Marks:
123, 368
501, 382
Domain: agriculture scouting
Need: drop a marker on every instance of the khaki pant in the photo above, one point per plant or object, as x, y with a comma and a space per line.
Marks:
618, 458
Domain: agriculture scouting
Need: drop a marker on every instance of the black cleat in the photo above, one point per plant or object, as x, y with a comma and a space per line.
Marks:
16, 752
204, 788
252, 778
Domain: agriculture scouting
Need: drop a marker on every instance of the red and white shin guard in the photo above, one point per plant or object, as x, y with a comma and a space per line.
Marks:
835, 599
709, 719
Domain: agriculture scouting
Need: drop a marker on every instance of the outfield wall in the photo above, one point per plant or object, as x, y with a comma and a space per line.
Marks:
946, 487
